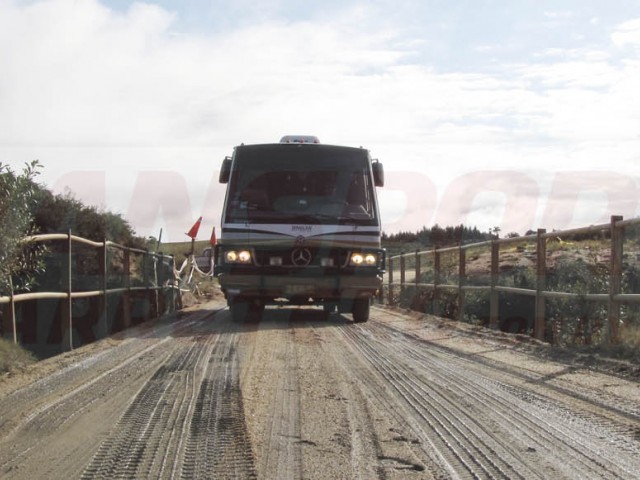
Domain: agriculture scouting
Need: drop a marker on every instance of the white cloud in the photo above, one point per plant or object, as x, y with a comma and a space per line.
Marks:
99, 77
628, 33
559, 14
125, 93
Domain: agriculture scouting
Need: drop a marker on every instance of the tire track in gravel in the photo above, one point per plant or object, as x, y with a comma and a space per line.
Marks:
186, 421
285, 428
64, 384
218, 444
59, 405
445, 440
378, 446
308, 419
280, 450
597, 400
326, 398
42, 427
131, 450
479, 429
595, 426
141, 394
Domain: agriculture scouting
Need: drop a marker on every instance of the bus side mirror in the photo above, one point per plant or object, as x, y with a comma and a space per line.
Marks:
225, 170
378, 174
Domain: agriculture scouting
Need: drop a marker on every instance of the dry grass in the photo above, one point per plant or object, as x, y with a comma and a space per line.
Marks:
14, 358
180, 250
630, 336
627, 351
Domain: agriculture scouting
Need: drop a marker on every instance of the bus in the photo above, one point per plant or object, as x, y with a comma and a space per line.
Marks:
300, 226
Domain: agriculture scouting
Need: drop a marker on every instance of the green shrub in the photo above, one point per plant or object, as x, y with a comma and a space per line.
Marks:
19, 262
577, 321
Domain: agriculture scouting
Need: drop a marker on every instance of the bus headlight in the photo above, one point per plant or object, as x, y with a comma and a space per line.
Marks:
363, 259
238, 256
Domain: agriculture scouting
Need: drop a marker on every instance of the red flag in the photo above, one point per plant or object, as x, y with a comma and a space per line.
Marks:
213, 240
193, 233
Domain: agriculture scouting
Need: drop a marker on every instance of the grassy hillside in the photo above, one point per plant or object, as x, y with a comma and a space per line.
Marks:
180, 250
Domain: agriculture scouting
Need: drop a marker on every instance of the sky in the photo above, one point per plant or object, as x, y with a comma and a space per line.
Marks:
489, 113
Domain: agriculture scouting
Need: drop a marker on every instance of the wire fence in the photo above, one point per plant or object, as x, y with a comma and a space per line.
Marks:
110, 283
578, 285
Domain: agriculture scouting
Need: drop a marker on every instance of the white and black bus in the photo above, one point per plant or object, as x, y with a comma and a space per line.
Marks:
300, 225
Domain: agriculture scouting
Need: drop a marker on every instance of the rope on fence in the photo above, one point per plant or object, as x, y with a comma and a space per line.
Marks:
185, 274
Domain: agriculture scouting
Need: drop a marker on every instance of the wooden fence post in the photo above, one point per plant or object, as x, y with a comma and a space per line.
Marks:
13, 311
417, 279
173, 283
541, 284
160, 281
615, 280
390, 287
402, 274
494, 302
69, 290
156, 285
126, 295
102, 321
436, 281
462, 280
147, 291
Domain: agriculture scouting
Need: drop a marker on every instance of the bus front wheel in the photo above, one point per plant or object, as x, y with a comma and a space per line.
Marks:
360, 309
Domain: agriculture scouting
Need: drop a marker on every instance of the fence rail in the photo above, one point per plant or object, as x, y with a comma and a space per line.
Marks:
151, 284
412, 275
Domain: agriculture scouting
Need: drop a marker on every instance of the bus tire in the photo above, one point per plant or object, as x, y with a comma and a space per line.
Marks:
360, 310
239, 310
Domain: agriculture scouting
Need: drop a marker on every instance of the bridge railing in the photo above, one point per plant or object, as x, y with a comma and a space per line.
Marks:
141, 274
530, 266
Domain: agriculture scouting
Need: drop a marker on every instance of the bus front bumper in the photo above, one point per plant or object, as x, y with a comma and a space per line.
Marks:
270, 287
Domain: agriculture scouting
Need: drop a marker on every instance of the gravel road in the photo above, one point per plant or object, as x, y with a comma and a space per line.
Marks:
299, 395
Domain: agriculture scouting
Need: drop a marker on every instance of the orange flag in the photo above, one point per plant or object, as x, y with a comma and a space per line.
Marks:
193, 233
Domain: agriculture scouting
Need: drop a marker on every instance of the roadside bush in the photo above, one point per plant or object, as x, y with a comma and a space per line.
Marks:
27, 208
61, 213
577, 321
424, 300
476, 308
630, 315
19, 262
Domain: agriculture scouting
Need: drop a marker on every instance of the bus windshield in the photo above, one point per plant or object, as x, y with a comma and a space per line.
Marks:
301, 184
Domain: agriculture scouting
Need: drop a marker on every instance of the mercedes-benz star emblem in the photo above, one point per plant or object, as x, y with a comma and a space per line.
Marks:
301, 257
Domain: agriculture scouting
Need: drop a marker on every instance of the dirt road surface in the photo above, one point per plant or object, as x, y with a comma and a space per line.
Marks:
303, 396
